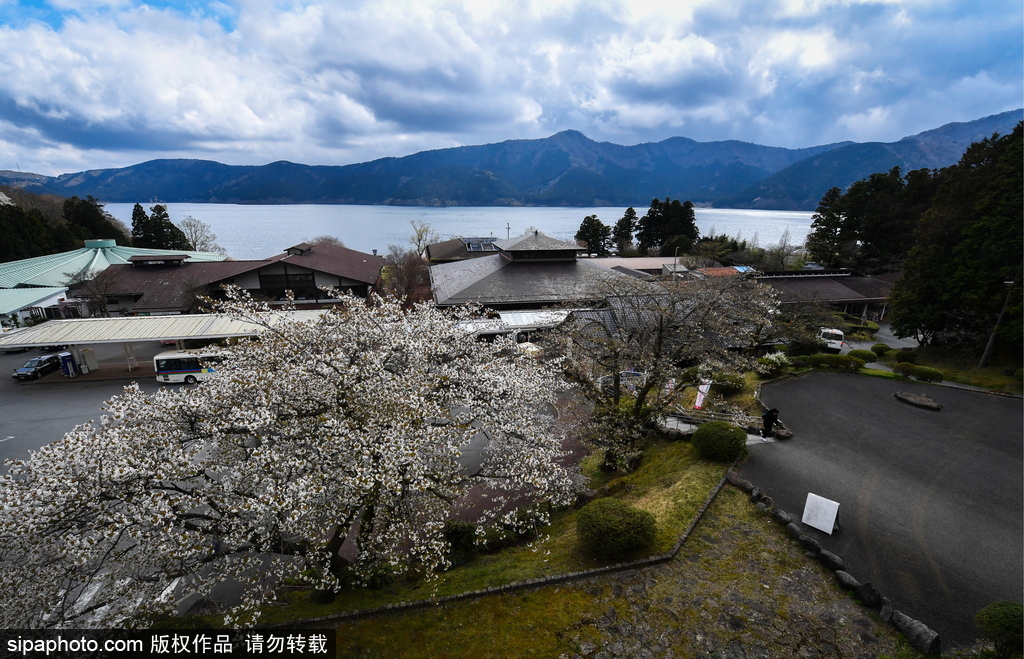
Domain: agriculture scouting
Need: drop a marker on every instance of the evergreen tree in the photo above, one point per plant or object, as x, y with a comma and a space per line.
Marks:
157, 231
831, 241
87, 220
651, 228
623, 231
965, 265
595, 234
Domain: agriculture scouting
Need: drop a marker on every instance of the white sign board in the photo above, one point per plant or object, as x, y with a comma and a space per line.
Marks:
820, 513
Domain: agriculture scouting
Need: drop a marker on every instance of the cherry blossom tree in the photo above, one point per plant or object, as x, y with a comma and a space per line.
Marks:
348, 426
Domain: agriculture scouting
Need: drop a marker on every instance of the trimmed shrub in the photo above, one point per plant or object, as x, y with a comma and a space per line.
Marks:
720, 441
864, 355
906, 356
1018, 375
928, 374
880, 349
1003, 624
728, 384
798, 363
612, 528
836, 361
800, 348
905, 369
772, 364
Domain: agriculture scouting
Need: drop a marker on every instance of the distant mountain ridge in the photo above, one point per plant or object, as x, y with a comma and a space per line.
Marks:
566, 169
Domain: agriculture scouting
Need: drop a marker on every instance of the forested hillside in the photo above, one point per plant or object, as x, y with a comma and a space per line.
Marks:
566, 169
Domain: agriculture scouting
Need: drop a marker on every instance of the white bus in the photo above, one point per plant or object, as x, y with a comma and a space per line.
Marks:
186, 366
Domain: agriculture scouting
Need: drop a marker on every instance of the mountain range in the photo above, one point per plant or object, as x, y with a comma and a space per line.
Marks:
566, 169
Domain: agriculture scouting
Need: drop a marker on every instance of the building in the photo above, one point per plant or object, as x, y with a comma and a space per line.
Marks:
527, 272
459, 249
173, 284
845, 290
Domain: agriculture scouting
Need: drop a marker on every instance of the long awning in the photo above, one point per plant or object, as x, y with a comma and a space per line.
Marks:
84, 331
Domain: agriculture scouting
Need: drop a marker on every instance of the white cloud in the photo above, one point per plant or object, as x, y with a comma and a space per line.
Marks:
119, 81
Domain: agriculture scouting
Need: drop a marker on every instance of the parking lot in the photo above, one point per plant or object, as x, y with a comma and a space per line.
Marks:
932, 503
34, 413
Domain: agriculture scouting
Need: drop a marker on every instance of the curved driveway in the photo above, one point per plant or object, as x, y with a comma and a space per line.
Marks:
931, 502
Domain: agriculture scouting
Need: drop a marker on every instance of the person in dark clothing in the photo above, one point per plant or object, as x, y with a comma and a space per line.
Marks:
768, 421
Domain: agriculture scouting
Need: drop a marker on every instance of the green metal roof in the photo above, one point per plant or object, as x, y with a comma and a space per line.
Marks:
16, 299
54, 269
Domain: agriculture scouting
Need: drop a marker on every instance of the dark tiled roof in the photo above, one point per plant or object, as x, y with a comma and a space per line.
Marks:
825, 288
164, 288
496, 281
453, 250
336, 260
535, 242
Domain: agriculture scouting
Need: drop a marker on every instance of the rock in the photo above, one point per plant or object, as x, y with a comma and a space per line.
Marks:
831, 561
920, 635
923, 401
781, 516
756, 495
782, 434
585, 497
762, 506
734, 479
886, 613
793, 531
846, 580
675, 435
810, 544
870, 596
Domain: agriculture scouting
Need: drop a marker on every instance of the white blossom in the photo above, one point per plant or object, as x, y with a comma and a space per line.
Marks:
350, 425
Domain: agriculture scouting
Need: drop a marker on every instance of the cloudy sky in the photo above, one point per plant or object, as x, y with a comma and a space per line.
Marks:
108, 83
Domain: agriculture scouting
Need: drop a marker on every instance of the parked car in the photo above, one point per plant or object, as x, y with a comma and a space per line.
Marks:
833, 339
37, 367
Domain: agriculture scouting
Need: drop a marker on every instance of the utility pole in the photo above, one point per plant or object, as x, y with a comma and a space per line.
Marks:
1006, 302
508, 230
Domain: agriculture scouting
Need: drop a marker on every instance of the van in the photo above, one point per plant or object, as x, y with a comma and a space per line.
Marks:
832, 338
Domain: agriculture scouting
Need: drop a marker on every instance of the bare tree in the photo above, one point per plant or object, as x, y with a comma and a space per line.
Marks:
94, 286
199, 236
422, 235
653, 334
406, 275
782, 255
326, 238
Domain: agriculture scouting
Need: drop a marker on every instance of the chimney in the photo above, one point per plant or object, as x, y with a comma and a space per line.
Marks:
375, 252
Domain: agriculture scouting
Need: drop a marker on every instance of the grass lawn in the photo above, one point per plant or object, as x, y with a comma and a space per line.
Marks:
958, 366
671, 483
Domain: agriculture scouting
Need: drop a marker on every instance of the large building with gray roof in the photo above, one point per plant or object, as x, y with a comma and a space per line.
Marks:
527, 272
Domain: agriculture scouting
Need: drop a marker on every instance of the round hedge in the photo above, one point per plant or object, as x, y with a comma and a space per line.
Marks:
928, 374
1003, 624
905, 369
612, 528
880, 349
905, 356
720, 441
866, 355
728, 384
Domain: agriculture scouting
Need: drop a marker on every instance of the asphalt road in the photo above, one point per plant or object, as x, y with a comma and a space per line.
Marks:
36, 413
932, 503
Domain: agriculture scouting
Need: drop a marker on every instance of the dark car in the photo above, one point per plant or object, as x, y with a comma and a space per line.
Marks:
37, 367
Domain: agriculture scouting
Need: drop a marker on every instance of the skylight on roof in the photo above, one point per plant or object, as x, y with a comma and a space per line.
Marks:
480, 244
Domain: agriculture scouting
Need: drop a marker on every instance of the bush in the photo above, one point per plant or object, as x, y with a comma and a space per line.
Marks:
906, 356
835, 361
1003, 624
864, 355
905, 369
612, 528
772, 364
728, 384
799, 348
928, 374
461, 538
1018, 375
880, 349
720, 441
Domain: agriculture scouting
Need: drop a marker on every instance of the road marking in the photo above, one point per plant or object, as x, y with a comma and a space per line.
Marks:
6, 438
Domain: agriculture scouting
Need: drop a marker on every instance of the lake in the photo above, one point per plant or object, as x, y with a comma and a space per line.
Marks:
256, 232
